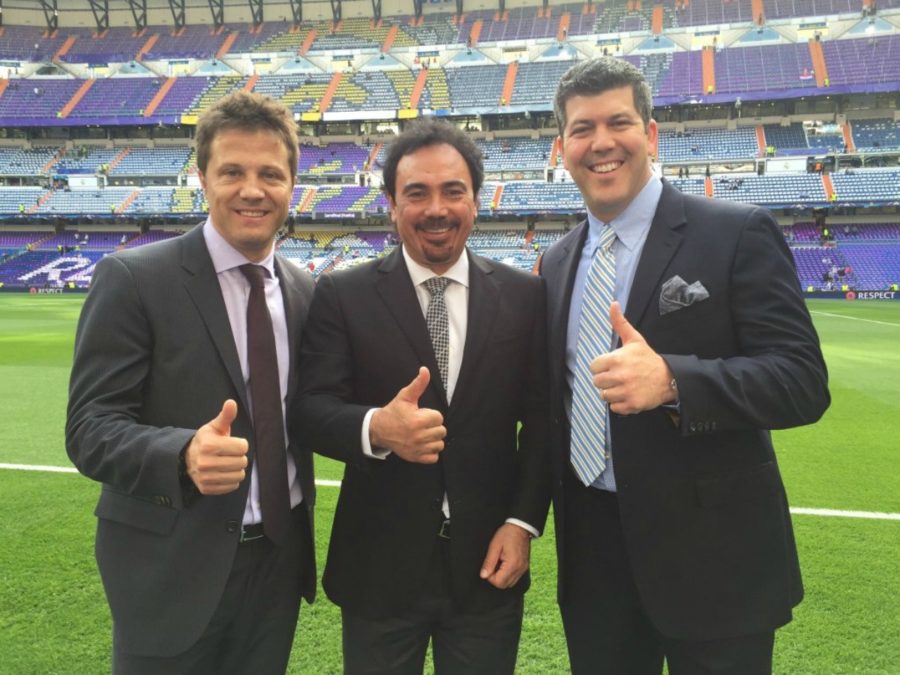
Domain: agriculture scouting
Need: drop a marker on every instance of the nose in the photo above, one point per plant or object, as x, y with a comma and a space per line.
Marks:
435, 208
251, 189
602, 140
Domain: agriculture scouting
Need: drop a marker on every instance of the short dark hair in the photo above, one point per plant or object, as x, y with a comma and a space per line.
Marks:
247, 112
426, 132
595, 76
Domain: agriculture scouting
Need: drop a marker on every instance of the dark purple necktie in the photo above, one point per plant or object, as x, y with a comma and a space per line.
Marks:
268, 421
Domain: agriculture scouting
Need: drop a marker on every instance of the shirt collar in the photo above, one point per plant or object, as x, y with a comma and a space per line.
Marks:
458, 272
226, 257
631, 226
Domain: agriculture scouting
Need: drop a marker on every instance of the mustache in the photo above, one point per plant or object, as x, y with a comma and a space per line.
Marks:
437, 224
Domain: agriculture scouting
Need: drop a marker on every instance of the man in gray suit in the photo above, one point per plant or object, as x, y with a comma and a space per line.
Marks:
161, 412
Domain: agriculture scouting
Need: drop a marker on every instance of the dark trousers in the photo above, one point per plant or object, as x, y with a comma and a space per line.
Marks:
607, 630
253, 626
482, 641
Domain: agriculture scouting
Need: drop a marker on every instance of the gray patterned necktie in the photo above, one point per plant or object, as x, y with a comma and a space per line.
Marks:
438, 323
589, 412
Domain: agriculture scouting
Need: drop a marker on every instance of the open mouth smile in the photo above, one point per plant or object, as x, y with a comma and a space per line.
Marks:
606, 167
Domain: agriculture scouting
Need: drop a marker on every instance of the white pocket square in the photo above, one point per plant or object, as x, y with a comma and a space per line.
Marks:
677, 294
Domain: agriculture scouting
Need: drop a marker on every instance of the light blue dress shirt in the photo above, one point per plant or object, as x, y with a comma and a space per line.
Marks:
632, 227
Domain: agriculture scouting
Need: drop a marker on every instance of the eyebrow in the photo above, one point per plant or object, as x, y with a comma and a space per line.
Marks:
238, 165
422, 186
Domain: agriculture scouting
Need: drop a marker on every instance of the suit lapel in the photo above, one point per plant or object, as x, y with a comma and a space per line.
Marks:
395, 288
484, 301
202, 286
662, 242
559, 272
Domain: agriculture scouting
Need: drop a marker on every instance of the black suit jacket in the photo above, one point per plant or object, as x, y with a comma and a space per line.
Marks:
703, 508
154, 360
366, 340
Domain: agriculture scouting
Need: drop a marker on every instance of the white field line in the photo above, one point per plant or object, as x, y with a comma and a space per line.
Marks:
856, 318
72, 469
796, 510
834, 513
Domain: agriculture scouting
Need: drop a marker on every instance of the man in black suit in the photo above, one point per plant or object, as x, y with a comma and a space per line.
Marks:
198, 578
673, 531
420, 392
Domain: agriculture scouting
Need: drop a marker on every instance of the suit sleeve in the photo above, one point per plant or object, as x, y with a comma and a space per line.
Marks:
113, 353
532, 497
777, 379
325, 420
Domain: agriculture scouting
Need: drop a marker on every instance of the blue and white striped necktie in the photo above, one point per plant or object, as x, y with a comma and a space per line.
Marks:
589, 412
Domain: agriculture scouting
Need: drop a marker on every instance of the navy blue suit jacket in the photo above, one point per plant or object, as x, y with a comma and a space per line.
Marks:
703, 508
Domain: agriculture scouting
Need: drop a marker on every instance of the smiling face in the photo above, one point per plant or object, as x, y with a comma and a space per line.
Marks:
435, 206
606, 149
248, 184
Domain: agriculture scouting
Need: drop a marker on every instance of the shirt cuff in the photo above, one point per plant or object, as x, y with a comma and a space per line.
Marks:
368, 450
525, 526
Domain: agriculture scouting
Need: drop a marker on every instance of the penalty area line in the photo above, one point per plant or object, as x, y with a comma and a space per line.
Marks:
795, 510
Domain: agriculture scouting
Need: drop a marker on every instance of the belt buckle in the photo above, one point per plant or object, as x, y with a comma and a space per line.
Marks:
444, 531
251, 533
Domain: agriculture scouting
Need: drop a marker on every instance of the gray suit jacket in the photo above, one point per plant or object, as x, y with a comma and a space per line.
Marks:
703, 508
154, 360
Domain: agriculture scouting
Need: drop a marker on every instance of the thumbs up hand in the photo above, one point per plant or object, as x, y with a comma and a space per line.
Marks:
412, 433
632, 378
215, 460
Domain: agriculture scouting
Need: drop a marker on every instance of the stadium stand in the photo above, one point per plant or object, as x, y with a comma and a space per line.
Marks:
341, 75
876, 135
700, 143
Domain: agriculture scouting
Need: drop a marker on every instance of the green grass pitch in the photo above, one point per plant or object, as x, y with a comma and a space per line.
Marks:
54, 619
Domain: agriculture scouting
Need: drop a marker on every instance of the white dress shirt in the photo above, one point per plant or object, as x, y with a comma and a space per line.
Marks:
456, 298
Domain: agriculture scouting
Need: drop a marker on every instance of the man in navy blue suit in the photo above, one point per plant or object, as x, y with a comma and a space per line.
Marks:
679, 546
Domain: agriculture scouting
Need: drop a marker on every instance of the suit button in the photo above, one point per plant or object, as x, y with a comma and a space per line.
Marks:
231, 526
693, 427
